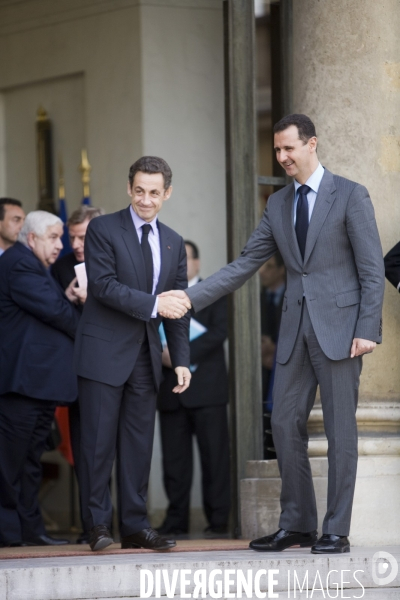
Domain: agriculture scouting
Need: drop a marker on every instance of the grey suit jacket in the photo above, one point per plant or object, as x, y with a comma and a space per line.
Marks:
341, 276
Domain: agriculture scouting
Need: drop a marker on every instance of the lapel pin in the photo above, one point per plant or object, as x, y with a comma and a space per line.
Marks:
169, 247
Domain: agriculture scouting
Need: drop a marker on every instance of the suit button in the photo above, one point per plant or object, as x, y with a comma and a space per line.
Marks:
305, 274
139, 341
299, 302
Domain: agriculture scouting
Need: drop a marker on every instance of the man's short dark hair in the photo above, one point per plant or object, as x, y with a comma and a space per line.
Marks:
84, 212
305, 126
151, 164
10, 202
195, 249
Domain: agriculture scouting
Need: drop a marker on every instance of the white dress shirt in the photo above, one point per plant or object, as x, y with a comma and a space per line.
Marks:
313, 182
154, 241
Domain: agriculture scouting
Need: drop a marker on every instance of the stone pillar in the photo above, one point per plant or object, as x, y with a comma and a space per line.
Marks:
346, 77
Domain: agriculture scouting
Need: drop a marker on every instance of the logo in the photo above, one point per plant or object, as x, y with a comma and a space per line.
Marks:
384, 568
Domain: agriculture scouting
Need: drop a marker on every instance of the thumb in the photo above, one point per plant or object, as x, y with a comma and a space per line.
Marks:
353, 349
180, 377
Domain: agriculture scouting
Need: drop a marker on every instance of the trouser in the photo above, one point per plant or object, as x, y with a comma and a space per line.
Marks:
117, 421
294, 395
210, 426
75, 436
24, 428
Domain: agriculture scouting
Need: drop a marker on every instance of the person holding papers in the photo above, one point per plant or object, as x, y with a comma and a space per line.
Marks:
201, 411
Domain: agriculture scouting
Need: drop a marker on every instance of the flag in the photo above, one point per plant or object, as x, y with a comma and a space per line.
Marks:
62, 213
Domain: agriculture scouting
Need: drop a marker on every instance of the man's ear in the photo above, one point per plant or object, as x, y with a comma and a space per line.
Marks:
30, 238
129, 189
312, 142
168, 193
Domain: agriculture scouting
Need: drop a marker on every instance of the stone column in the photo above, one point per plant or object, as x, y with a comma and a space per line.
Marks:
346, 77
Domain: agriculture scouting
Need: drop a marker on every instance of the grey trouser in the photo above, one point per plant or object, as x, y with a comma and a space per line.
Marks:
294, 395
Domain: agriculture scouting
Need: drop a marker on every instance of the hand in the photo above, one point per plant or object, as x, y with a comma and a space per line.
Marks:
165, 358
172, 306
178, 294
80, 294
69, 292
360, 347
184, 377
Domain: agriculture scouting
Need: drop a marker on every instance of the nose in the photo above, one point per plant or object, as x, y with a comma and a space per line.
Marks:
59, 244
283, 156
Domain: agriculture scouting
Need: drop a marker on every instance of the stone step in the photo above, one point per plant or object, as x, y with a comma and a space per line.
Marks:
119, 576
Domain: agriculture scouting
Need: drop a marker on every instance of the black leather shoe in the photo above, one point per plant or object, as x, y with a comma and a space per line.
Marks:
283, 539
100, 537
147, 538
331, 544
45, 540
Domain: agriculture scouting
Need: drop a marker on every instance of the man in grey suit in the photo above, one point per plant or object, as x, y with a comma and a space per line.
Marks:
324, 227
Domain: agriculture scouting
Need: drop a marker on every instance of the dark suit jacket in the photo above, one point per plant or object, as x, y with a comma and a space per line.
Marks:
63, 269
209, 384
117, 313
37, 326
392, 265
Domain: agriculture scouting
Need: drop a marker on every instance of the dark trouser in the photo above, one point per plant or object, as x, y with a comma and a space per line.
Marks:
24, 427
75, 436
117, 420
210, 426
294, 395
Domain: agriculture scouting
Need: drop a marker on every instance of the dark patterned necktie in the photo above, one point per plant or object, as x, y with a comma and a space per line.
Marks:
148, 257
302, 217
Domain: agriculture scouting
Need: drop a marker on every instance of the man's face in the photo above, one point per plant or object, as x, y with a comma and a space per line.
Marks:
10, 226
47, 247
148, 194
193, 264
296, 157
271, 275
77, 239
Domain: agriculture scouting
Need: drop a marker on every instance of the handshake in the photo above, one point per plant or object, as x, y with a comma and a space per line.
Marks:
173, 304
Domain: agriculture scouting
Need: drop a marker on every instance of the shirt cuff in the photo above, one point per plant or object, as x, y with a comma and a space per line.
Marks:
155, 309
398, 286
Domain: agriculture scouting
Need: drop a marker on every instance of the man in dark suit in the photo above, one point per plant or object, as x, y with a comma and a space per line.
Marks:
392, 266
37, 327
201, 411
130, 258
324, 227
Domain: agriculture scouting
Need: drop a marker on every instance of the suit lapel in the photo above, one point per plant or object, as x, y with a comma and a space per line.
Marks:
166, 257
131, 240
323, 205
288, 224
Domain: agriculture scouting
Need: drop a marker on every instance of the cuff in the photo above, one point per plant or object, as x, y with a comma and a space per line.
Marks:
155, 309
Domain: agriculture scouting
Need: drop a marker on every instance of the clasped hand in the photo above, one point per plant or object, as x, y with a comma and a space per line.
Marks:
173, 304
76, 295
